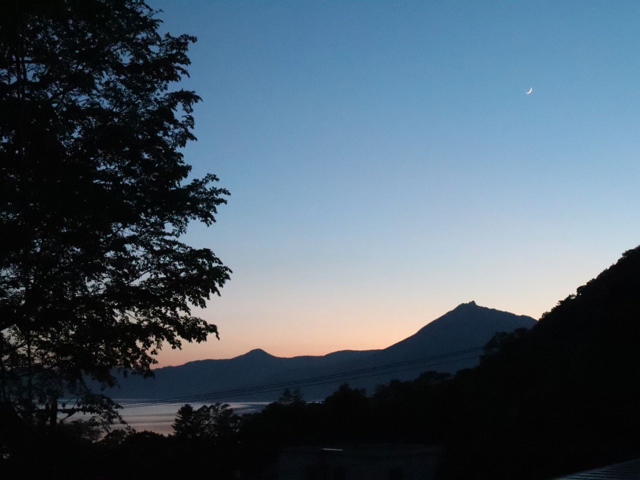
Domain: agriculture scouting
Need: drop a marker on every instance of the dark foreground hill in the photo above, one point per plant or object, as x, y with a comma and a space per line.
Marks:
562, 397
465, 329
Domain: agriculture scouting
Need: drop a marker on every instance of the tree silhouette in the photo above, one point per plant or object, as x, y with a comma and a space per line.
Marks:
219, 420
347, 414
215, 421
94, 198
188, 424
291, 398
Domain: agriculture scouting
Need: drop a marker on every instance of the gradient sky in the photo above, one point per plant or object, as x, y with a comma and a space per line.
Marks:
385, 164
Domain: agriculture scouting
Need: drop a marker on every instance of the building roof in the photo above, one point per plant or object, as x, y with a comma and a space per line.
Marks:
620, 471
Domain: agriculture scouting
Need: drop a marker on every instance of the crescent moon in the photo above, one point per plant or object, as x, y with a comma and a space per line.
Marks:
530, 90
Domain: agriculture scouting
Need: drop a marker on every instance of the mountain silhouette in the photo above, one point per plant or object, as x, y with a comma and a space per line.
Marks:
468, 326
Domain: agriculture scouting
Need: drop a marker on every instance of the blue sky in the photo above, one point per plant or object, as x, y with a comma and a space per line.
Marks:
385, 163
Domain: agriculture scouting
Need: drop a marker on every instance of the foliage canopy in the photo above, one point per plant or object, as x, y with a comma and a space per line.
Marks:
94, 197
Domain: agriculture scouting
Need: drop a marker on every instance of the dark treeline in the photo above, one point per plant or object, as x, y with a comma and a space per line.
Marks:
558, 398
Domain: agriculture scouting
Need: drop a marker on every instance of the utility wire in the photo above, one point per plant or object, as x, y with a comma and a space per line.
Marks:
300, 382
224, 395
314, 381
311, 381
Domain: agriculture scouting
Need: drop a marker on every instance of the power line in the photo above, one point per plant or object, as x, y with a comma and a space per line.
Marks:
312, 381
315, 381
223, 395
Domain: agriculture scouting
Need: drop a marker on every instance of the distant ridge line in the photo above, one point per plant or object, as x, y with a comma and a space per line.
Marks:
458, 335
313, 381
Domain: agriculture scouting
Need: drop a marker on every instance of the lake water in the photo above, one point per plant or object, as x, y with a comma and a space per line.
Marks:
159, 418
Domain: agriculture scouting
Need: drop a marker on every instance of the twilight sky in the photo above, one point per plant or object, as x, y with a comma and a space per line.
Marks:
385, 164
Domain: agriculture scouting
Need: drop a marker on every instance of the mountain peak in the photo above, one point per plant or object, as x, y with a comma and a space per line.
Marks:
467, 305
471, 317
256, 353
